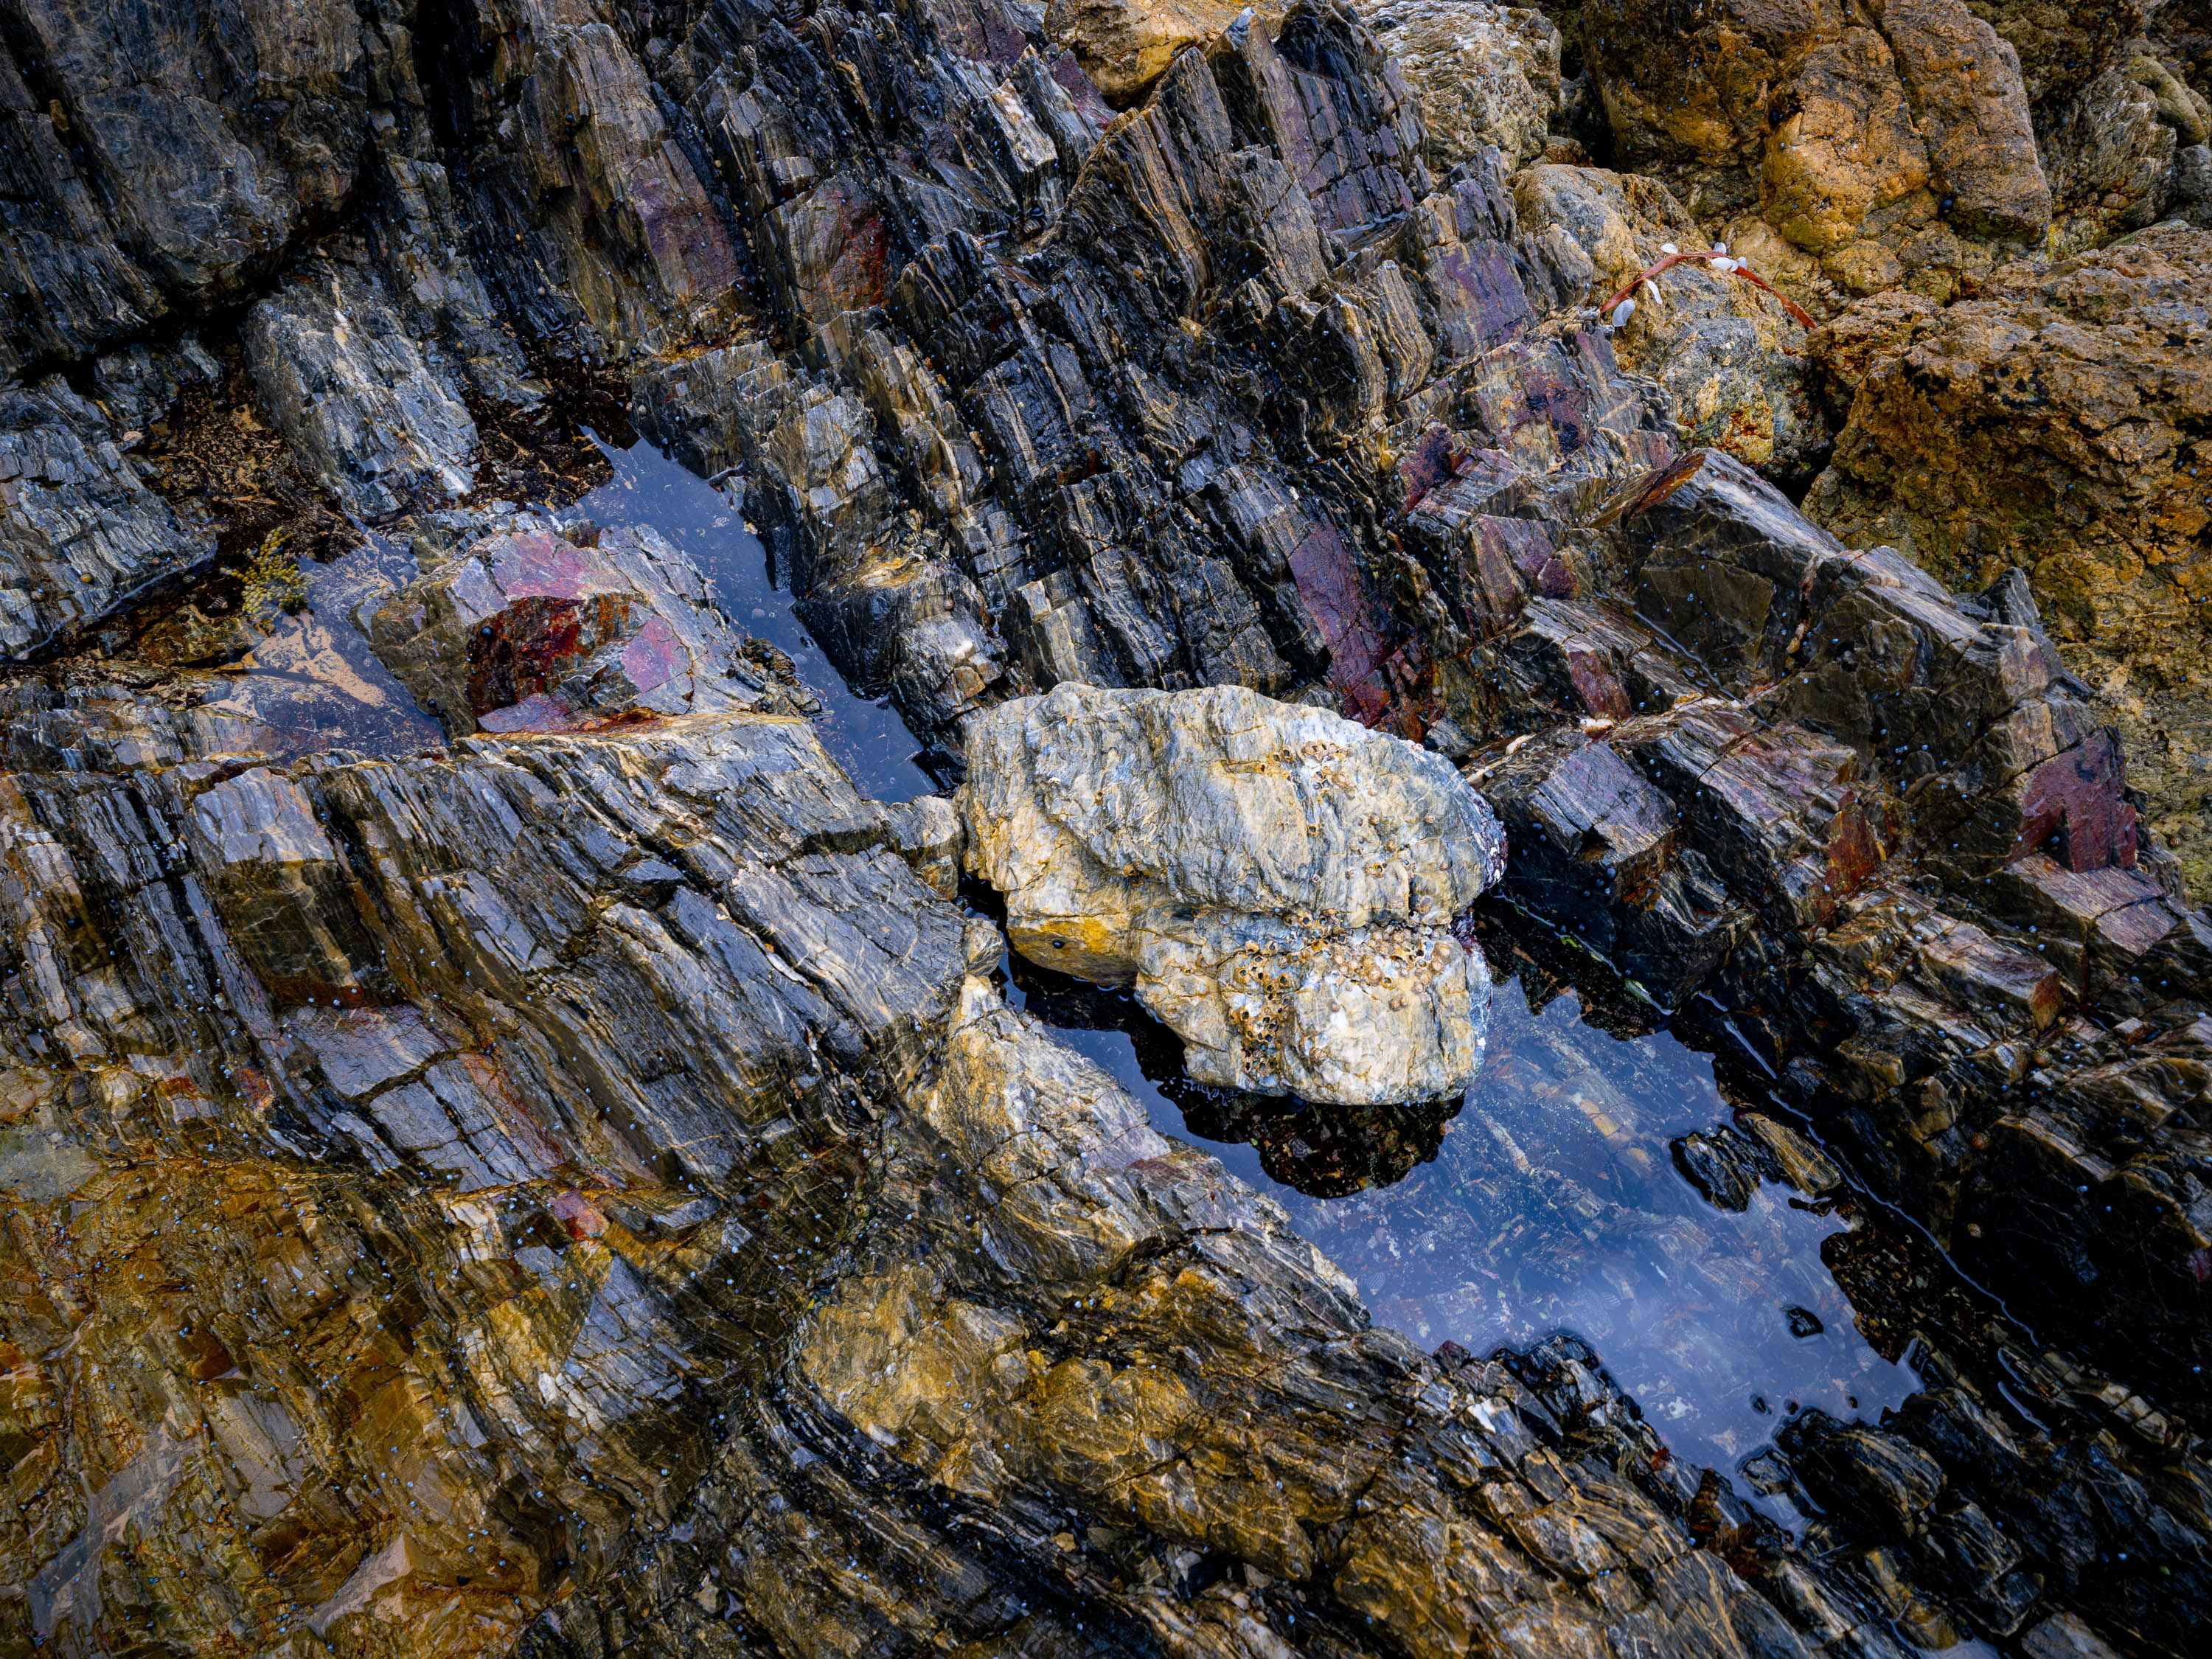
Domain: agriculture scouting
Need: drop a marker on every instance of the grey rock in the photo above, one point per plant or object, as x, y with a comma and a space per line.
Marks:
367, 415
79, 529
1278, 882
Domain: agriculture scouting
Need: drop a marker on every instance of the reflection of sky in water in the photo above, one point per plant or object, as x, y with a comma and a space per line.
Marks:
1555, 1205
312, 684
868, 740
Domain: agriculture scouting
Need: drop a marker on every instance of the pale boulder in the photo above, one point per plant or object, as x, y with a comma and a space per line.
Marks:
1278, 883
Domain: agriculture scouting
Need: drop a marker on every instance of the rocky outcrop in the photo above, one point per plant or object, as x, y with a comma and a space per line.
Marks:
351, 390
1912, 144
528, 626
2050, 426
1886, 706
170, 157
572, 1189
1279, 883
79, 528
1126, 46
1485, 74
1732, 360
294, 1238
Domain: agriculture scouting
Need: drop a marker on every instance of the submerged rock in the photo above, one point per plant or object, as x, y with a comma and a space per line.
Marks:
1278, 882
532, 627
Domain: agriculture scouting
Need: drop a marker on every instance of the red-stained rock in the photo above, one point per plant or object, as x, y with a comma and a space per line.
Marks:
526, 630
578, 1215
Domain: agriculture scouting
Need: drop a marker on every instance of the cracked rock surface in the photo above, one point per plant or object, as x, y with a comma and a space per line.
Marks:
504, 1149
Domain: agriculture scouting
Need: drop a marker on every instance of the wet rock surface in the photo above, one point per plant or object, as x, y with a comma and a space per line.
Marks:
526, 626
553, 1173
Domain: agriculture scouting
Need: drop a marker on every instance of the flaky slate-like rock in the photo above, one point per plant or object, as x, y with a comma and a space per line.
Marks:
167, 156
350, 388
1278, 882
1042, 1363
1126, 45
79, 528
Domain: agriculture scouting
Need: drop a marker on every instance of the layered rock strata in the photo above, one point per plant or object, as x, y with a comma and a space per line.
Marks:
568, 1191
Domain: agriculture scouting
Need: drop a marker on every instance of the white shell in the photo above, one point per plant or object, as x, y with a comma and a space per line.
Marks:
1669, 247
1622, 312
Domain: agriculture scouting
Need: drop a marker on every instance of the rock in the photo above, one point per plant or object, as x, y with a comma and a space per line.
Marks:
1864, 1471
1683, 84
1278, 883
1847, 147
528, 629
351, 389
1981, 143
195, 143
2060, 47
2089, 488
1724, 1166
1722, 562
1126, 46
1069, 1209
1485, 74
1844, 349
413, 1053
1731, 358
2113, 157
1910, 145
594, 222
565, 1190
79, 528
1803, 1165
2181, 106
2063, 1637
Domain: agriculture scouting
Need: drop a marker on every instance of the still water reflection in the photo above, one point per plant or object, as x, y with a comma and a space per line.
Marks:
867, 738
312, 684
1549, 1202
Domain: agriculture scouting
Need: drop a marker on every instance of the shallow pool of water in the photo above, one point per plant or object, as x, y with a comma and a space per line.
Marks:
866, 737
1549, 1201
312, 683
